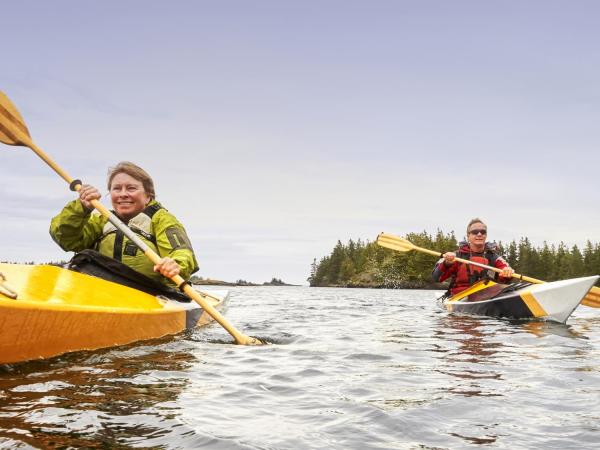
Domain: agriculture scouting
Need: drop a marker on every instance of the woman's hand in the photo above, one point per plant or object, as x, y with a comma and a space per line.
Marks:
167, 267
87, 193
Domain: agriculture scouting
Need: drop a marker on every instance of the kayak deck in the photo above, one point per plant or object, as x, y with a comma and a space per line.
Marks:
59, 311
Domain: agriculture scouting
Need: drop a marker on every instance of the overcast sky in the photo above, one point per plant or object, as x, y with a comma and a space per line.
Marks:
274, 128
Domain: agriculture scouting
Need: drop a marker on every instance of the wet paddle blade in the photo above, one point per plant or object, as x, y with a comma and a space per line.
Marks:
394, 242
12, 125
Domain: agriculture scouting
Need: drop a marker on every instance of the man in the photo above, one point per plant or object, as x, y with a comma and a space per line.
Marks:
475, 249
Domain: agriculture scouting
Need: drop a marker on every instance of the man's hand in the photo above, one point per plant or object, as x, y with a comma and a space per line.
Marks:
449, 258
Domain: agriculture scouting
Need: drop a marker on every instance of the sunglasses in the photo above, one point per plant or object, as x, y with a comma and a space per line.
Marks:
474, 232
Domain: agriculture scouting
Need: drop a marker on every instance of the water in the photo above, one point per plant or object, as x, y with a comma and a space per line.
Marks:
348, 369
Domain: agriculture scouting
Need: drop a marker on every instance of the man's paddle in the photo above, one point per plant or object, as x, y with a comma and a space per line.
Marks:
14, 132
402, 245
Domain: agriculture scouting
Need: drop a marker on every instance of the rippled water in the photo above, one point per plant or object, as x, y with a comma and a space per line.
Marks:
349, 368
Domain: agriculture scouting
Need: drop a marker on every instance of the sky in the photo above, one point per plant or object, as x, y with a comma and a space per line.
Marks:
273, 129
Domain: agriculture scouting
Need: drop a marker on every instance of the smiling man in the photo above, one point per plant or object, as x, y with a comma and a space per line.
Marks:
79, 227
475, 249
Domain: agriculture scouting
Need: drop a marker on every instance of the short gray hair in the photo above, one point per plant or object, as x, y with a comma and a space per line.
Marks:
475, 220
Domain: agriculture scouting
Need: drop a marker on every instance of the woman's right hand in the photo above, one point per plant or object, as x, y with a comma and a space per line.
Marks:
87, 193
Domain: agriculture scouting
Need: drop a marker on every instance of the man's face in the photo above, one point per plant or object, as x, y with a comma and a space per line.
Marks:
477, 234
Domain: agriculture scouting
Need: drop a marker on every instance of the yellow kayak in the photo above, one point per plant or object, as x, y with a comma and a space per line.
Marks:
59, 310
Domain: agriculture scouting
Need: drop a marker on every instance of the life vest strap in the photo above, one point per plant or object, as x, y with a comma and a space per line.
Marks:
118, 247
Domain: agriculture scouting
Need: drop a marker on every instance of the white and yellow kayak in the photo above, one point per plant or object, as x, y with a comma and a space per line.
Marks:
553, 301
59, 310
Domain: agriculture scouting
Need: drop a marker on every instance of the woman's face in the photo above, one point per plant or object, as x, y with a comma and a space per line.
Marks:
128, 196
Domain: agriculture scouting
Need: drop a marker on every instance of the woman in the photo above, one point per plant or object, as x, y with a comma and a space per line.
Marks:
79, 226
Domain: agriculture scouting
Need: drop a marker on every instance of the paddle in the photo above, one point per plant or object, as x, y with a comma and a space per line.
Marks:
14, 132
399, 244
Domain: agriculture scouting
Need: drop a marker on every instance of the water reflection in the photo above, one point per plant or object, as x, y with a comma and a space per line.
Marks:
472, 349
542, 329
94, 400
472, 336
469, 348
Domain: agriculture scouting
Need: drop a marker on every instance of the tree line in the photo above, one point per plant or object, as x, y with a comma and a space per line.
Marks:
366, 264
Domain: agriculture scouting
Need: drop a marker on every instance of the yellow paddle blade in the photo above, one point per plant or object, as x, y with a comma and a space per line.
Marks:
394, 242
12, 125
592, 299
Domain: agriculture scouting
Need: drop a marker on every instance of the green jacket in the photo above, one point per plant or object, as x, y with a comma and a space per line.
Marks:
76, 229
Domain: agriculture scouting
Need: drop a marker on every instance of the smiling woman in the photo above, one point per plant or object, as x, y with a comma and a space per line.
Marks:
14, 132
78, 227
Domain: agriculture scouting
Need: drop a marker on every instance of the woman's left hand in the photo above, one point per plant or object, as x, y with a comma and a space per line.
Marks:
507, 272
167, 267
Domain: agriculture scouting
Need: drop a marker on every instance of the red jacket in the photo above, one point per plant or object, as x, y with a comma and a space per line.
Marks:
464, 275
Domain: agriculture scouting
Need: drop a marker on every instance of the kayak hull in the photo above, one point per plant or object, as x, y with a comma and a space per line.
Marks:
59, 311
553, 301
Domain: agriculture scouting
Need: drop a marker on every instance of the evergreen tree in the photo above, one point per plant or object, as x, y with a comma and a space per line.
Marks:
576, 266
512, 255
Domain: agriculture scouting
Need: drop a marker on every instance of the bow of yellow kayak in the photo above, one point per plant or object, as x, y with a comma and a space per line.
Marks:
59, 310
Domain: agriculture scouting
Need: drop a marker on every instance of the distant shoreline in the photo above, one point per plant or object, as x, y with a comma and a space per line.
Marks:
417, 286
431, 286
210, 282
